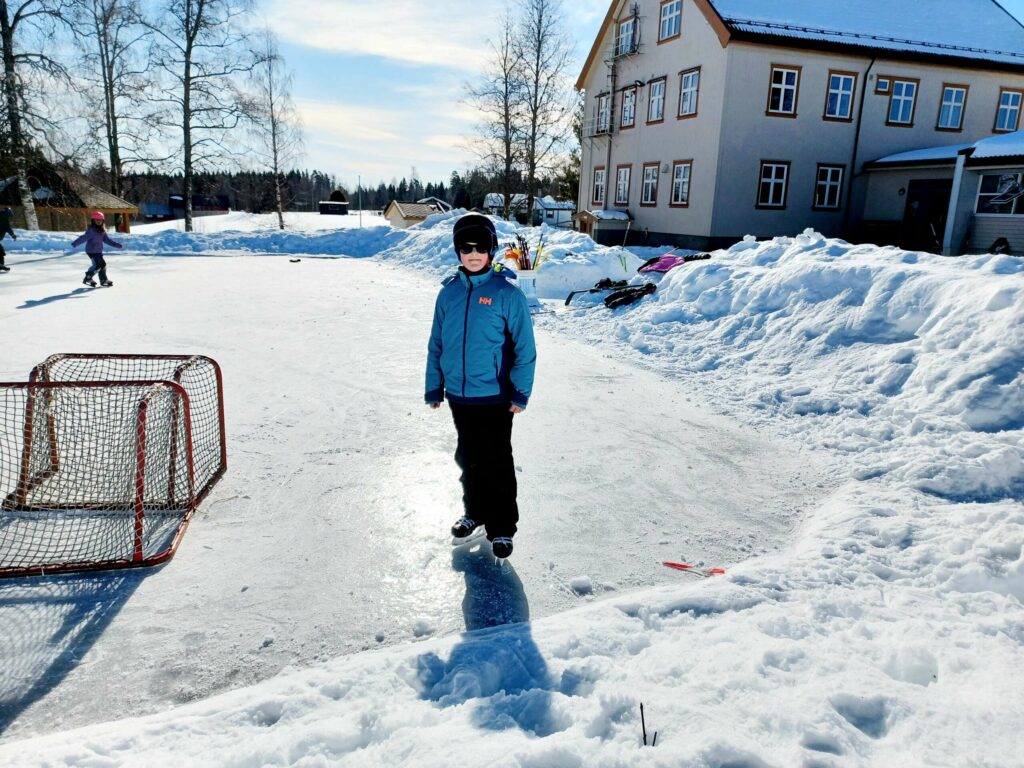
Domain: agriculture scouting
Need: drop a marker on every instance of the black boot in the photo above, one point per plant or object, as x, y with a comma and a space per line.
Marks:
501, 547
463, 527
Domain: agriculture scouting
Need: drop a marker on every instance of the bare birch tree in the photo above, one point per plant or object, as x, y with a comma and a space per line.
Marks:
16, 21
546, 51
202, 49
275, 122
499, 99
114, 42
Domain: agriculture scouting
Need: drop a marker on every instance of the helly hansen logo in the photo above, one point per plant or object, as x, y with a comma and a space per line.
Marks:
486, 300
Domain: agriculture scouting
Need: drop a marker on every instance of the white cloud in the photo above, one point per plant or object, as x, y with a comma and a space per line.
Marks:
448, 33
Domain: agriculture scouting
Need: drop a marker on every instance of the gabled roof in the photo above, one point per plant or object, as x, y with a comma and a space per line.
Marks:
970, 31
62, 188
413, 210
549, 203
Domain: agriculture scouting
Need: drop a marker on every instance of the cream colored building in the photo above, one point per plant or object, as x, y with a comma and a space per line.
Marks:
707, 120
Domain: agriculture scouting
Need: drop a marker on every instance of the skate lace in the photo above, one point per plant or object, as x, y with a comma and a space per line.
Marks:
466, 522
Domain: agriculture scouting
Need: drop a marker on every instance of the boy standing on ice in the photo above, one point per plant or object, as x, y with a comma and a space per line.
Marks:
94, 237
481, 357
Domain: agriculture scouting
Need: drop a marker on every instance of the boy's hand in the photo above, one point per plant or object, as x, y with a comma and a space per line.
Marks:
515, 408
434, 405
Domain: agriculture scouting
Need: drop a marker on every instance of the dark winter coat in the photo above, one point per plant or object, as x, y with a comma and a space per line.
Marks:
94, 238
481, 347
5, 226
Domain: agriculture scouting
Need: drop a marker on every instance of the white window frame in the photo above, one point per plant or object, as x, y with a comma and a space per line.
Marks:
839, 91
779, 87
681, 183
622, 174
671, 20
625, 35
597, 195
628, 117
656, 96
649, 194
689, 92
1008, 106
777, 181
1014, 205
828, 191
951, 106
604, 112
898, 96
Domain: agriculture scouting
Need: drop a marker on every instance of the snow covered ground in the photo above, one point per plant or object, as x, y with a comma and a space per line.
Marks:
839, 426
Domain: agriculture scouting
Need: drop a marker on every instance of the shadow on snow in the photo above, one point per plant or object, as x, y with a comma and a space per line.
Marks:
496, 661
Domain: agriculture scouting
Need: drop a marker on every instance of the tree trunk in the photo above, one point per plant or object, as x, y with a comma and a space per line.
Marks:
10, 85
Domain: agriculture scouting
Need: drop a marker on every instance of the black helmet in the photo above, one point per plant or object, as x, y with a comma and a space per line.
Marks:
475, 228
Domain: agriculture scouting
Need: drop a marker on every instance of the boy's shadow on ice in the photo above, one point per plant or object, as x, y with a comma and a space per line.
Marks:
496, 661
77, 293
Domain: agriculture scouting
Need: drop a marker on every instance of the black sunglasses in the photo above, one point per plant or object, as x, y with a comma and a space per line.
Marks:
467, 248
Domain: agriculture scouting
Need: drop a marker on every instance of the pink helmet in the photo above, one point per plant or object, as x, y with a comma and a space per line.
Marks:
98, 216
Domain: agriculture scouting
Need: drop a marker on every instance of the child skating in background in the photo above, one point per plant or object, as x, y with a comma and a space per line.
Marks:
94, 237
5, 229
481, 358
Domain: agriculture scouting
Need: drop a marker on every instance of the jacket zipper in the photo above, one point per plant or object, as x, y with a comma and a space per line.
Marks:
465, 331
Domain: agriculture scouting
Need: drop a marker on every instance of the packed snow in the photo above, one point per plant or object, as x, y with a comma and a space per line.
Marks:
838, 426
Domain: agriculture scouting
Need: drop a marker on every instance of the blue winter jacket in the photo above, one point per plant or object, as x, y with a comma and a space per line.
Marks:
481, 347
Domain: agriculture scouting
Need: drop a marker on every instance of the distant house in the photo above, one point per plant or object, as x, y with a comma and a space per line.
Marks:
155, 211
333, 207
404, 215
442, 205
546, 210
202, 205
64, 199
554, 213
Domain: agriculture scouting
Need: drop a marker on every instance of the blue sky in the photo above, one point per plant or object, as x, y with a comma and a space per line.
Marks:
380, 83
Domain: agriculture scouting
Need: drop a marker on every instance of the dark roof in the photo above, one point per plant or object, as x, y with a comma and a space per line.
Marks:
62, 188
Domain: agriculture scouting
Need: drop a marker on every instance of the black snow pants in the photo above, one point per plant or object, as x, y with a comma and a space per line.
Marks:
484, 454
98, 265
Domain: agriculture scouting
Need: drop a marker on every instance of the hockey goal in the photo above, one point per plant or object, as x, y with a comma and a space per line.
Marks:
104, 458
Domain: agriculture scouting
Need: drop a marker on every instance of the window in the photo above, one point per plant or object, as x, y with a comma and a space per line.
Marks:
1008, 115
689, 89
604, 113
782, 92
598, 193
622, 184
649, 195
549, 213
828, 188
901, 102
882, 85
839, 102
656, 101
671, 14
951, 108
681, 183
625, 39
1000, 193
628, 108
773, 183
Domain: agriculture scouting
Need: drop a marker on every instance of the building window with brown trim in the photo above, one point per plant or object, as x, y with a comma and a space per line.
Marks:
622, 184
604, 113
656, 100
597, 196
828, 187
681, 170
902, 100
649, 193
628, 112
626, 37
671, 18
1008, 113
773, 184
951, 107
841, 89
689, 92
783, 91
